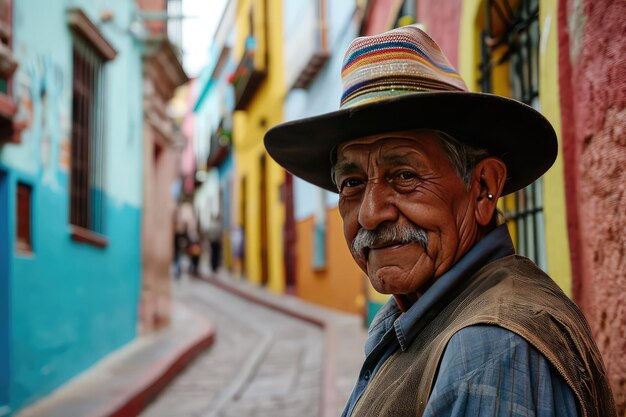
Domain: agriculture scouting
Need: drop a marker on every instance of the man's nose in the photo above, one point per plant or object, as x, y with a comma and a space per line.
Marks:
377, 205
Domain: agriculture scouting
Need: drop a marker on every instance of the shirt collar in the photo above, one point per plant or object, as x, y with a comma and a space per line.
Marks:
497, 244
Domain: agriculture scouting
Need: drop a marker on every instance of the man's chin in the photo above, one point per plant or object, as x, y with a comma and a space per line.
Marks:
392, 279
383, 280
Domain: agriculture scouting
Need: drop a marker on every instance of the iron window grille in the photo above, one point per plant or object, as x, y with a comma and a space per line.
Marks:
87, 198
511, 38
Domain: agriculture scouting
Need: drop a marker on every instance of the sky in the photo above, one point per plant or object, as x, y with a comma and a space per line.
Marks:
198, 30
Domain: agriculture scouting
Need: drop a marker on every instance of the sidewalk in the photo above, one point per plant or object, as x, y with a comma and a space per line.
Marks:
123, 383
345, 336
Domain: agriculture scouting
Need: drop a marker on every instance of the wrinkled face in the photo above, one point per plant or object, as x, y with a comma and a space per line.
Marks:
407, 214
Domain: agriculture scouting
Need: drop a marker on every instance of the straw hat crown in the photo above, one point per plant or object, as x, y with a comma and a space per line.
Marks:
405, 60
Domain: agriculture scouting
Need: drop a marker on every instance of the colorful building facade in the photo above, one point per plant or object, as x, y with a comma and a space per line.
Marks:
70, 194
87, 156
259, 92
162, 144
213, 107
316, 34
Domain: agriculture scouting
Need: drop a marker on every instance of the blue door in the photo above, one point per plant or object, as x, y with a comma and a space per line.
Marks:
4, 293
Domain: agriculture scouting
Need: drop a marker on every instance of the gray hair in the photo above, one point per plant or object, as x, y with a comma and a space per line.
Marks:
463, 157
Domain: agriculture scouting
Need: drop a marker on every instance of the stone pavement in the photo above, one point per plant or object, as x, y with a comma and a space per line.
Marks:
273, 356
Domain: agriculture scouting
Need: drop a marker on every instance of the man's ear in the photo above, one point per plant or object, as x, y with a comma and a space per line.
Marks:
487, 184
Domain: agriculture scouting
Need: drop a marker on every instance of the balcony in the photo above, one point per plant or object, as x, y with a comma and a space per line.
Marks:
306, 43
221, 141
247, 78
311, 69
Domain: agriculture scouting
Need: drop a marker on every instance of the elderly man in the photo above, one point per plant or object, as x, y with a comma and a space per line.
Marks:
419, 163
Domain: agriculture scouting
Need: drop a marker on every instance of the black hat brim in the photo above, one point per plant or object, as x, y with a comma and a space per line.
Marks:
508, 129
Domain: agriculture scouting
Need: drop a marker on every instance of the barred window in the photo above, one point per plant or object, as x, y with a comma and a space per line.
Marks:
87, 172
87, 183
510, 49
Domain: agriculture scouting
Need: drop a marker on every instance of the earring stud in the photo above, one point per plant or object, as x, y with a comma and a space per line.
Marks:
490, 196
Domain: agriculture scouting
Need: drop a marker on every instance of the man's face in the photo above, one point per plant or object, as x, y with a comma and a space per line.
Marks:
407, 215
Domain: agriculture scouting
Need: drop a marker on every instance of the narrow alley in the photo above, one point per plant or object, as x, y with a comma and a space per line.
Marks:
281, 360
177, 238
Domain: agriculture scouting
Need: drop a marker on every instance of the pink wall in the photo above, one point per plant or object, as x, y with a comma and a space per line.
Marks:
381, 14
442, 21
188, 157
592, 47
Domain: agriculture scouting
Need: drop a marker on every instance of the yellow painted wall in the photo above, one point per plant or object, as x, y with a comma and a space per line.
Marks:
472, 16
249, 126
557, 248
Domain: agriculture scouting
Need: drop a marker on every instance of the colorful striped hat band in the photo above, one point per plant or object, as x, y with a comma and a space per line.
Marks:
402, 61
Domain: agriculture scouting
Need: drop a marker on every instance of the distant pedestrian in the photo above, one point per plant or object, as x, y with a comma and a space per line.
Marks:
181, 241
194, 251
185, 232
214, 234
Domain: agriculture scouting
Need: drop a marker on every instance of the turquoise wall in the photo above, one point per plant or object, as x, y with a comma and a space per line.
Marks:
70, 303
4, 293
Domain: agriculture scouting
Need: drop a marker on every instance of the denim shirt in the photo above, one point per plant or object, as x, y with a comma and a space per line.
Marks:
485, 370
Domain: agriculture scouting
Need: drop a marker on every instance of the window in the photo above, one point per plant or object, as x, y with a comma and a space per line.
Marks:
87, 139
87, 184
23, 239
510, 49
8, 65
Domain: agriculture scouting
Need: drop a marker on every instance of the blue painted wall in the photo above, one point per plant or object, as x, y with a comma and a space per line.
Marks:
4, 293
70, 303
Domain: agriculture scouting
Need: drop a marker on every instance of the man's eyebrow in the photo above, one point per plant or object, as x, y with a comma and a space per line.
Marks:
400, 159
346, 167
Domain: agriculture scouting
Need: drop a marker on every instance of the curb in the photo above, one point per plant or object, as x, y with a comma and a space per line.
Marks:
161, 374
329, 397
265, 303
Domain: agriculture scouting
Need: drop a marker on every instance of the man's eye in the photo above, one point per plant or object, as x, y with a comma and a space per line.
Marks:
350, 185
405, 175
404, 181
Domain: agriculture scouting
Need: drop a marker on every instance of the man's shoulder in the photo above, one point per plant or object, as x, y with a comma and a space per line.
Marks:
477, 346
517, 281
486, 368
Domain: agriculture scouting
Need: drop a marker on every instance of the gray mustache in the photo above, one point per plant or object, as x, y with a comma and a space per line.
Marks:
388, 234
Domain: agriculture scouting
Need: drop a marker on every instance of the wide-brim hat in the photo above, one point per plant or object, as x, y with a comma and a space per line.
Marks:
400, 80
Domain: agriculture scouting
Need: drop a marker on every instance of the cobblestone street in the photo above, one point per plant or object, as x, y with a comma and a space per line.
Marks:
263, 363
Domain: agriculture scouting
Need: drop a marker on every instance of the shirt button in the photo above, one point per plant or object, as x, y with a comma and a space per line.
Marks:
367, 375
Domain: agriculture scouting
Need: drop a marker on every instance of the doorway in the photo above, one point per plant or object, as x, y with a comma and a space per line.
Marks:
241, 243
289, 237
263, 220
5, 245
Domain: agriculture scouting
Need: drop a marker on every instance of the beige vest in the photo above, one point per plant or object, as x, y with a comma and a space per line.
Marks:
512, 293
